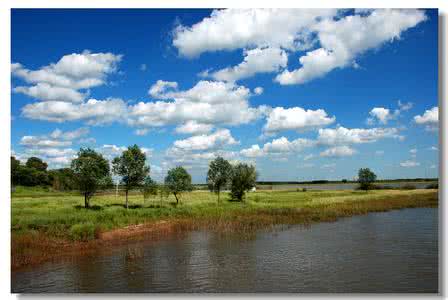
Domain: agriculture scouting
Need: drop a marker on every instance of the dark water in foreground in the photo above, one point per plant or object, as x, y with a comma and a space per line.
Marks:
380, 252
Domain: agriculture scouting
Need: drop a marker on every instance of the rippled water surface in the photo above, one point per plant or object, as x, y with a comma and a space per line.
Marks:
395, 251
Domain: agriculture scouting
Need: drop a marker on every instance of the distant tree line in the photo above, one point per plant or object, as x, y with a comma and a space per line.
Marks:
323, 181
34, 173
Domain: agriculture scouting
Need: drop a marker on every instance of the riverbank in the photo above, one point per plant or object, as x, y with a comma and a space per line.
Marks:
46, 227
393, 252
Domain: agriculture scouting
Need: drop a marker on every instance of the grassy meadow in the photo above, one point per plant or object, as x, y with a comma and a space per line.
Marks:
45, 223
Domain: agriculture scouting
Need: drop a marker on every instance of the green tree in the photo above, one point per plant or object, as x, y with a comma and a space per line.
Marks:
62, 179
366, 178
24, 176
37, 164
37, 177
178, 181
15, 171
244, 177
150, 188
131, 166
90, 168
107, 182
218, 175
33, 173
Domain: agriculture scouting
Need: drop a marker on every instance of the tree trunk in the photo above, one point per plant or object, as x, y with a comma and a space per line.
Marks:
86, 201
218, 197
177, 200
126, 199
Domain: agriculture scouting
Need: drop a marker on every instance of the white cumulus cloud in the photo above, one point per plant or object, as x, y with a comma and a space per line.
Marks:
342, 135
61, 81
218, 139
296, 118
430, 118
384, 115
47, 92
253, 152
159, 89
207, 103
338, 151
93, 111
342, 40
69, 135
54, 148
257, 60
193, 127
231, 29
280, 146
42, 142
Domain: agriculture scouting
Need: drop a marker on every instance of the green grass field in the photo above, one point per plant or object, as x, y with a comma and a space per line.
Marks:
60, 215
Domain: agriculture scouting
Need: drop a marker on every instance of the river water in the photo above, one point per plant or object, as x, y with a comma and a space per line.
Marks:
395, 251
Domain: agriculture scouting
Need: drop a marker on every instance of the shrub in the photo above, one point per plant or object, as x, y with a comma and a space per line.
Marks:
432, 186
368, 187
381, 187
244, 178
84, 231
366, 178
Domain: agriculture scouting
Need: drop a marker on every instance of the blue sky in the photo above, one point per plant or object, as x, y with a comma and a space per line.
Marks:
302, 94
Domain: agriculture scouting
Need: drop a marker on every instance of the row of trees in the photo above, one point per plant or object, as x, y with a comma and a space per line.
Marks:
90, 171
34, 173
241, 178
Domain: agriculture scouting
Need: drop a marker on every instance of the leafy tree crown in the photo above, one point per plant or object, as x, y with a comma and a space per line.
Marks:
366, 176
178, 180
90, 168
36, 163
244, 177
219, 174
131, 166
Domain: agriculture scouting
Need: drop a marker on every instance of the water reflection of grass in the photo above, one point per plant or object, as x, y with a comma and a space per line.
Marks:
46, 224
